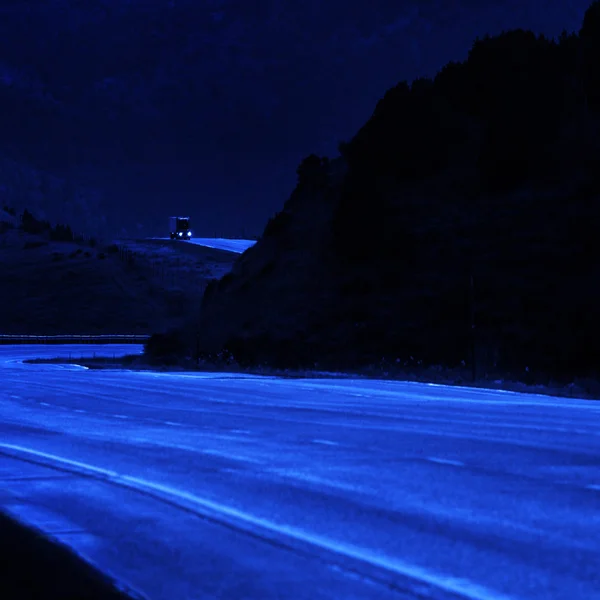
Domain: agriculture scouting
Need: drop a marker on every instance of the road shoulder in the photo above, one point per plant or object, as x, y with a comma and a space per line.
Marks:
34, 567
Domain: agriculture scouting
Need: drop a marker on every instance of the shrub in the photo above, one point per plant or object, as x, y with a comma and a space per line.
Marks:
165, 348
209, 291
61, 233
343, 148
277, 225
313, 172
29, 224
34, 244
266, 269
225, 281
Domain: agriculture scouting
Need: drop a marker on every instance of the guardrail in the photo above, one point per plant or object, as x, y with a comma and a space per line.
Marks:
73, 339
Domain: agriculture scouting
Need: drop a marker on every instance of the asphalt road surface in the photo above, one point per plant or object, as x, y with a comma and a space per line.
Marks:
230, 245
192, 486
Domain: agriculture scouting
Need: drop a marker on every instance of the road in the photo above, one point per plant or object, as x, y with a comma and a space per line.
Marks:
230, 245
227, 486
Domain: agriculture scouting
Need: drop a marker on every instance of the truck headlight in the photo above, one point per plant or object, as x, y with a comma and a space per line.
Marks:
180, 234
189, 234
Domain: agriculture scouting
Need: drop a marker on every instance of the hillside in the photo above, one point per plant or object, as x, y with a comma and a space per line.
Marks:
471, 198
50, 286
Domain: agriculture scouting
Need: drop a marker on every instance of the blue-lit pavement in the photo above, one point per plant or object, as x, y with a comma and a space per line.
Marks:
229, 245
227, 486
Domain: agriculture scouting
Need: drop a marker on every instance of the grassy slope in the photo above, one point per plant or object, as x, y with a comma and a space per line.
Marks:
63, 288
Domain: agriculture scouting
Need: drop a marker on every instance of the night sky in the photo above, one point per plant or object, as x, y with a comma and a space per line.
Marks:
271, 81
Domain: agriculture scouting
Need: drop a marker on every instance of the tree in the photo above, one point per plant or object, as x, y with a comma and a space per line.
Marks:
589, 35
61, 233
313, 172
30, 224
343, 148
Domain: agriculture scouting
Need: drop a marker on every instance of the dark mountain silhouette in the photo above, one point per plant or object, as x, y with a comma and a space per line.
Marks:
472, 197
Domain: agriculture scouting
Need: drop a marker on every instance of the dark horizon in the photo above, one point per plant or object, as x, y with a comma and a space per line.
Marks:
207, 108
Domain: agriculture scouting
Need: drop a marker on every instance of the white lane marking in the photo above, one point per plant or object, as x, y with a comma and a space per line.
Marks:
458, 394
319, 481
79, 410
197, 450
60, 459
457, 585
44, 404
120, 416
230, 456
445, 461
16, 397
593, 486
173, 424
325, 442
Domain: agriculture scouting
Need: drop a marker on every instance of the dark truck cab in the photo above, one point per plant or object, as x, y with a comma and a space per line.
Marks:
180, 228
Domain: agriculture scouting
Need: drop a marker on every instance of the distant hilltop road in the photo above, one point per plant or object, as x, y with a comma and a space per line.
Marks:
228, 245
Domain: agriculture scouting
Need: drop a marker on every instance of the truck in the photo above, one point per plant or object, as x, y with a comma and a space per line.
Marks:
179, 228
